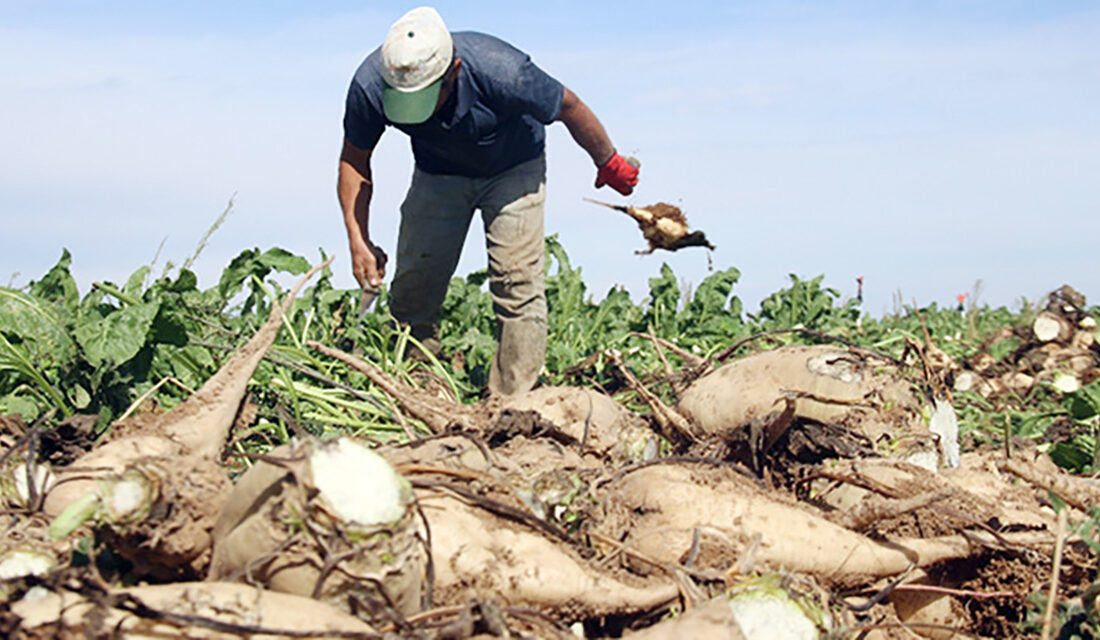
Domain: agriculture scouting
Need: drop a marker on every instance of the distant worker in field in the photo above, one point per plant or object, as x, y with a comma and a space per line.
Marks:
475, 109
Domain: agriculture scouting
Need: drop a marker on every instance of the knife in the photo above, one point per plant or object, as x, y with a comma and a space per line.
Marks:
366, 299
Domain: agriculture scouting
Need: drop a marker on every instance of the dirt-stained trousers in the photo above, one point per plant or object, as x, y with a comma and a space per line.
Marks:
435, 217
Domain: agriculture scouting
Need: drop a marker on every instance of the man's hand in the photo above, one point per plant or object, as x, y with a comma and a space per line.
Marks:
354, 188
620, 175
368, 263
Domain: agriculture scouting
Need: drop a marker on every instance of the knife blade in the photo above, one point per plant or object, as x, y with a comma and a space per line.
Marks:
366, 299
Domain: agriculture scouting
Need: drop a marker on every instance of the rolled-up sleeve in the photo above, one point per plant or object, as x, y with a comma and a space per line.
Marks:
363, 125
541, 93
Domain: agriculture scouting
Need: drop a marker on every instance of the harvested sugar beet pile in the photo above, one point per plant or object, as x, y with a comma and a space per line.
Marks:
811, 491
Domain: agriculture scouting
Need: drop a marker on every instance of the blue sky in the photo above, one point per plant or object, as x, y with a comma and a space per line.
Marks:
922, 145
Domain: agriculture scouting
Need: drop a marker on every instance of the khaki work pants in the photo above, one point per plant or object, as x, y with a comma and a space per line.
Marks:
435, 217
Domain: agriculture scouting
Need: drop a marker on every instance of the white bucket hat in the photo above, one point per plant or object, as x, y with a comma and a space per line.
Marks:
416, 55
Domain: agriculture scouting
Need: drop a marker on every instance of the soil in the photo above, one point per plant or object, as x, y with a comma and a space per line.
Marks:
70, 439
997, 572
539, 513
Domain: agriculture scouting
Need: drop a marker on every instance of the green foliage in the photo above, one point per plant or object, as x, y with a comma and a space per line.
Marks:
579, 326
468, 325
1084, 404
36, 342
805, 304
1071, 621
252, 267
57, 287
663, 303
115, 338
1082, 409
1003, 348
713, 315
100, 352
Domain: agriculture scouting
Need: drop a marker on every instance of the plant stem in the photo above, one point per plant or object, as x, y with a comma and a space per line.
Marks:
1052, 595
117, 293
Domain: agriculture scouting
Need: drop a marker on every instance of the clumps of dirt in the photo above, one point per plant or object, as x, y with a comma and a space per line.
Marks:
1064, 430
70, 439
814, 442
515, 422
999, 572
12, 430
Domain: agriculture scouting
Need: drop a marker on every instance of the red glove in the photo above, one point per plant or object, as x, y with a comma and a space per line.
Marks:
620, 174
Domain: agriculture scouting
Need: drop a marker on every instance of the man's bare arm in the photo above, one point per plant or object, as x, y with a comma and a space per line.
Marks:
585, 128
621, 174
354, 188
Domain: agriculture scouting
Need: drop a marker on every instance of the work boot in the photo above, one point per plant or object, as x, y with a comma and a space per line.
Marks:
519, 357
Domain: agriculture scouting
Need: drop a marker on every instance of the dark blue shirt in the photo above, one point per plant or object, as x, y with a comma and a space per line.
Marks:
494, 120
